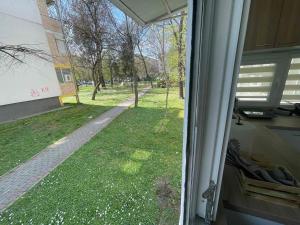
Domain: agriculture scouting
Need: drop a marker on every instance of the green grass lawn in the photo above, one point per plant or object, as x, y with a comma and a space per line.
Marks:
21, 140
117, 178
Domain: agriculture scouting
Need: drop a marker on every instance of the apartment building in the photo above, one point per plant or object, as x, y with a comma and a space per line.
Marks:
34, 86
51, 22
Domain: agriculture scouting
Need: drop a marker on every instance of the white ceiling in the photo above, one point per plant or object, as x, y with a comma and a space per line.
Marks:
149, 11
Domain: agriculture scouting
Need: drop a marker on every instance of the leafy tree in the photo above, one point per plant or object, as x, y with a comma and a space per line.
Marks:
178, 26
90, 27
130, 34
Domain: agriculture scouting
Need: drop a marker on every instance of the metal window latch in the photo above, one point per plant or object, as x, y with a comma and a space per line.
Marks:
209, 195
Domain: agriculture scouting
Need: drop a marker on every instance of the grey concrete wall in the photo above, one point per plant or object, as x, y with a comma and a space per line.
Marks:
24, 109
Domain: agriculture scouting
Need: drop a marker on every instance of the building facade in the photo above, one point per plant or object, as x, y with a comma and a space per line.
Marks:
51, 22
35, 85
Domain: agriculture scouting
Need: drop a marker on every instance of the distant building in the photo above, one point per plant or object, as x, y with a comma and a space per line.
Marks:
35, 85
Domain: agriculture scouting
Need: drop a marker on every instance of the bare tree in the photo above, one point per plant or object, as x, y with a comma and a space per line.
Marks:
142, 32
129, 47
17, 53
177, 25
112, 60
62, 8
128, 35
157, 42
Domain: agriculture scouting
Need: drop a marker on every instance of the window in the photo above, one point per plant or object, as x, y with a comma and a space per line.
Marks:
61, 46
67, 75
255, 82
291, 93
63, 75
52, 10
59, 75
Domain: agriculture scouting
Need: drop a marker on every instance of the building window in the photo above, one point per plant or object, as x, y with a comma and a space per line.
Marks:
63, 75
67, 75
255, 82
61, 47
52, 10
59, 75
291, 93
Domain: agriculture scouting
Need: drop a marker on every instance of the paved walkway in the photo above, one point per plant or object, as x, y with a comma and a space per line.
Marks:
21, 179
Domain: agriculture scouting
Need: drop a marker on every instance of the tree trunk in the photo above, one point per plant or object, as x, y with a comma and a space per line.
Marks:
98, 87
167, 94
100, 75
132, 66
131, 83
180, 56
180, 75
111, 76
102, 81
181, 89
165, 71
94, 78
136, 94
95, 91
178, 35
145, 65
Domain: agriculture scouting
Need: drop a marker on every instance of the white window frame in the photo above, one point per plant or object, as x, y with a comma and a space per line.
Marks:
215, 43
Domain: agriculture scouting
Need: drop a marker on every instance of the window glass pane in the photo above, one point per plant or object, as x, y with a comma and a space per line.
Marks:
67, 75
66, 71
61, 46
52, 10
59, 75
291, 93
255, 82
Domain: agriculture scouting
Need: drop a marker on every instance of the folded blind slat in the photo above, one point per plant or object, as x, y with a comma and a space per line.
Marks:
257, 69
294, 77
291, 93
254, 89
291, 97
290, 87
295, 66
256, 97
254, 79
